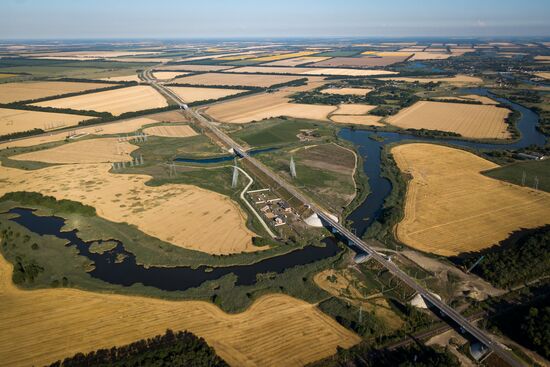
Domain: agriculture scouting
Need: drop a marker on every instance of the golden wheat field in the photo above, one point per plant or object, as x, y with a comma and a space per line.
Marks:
23, 91
183, 215
468, 120
116, 101
174, 131
346, 91
12, 121
368, 120
193, 67
283, 56
122, 127
277, 330
235, 79
168, 75
353, 109
193, 94
309, 71
83, 151
297, 61
451, 207
259, 107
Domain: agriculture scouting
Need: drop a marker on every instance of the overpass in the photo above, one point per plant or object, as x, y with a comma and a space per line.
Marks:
336, 227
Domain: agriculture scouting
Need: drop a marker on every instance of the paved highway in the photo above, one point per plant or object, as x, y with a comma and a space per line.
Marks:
337, 227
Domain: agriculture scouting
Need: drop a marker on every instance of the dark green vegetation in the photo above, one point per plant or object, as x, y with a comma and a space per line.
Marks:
510, 264
279, 131
340, 53
416, 355
56, 206
513, 173
524, 317
180, 349
39, 68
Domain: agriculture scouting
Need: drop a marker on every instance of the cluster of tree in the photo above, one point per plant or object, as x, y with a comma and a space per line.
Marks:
507, 265
70, 111
21, 134
432, 133
82, 80
34, 199
127, 115
536, 329
348, 316
463, 101
416, 355
180, 349
25, 270
216, 86
314, 97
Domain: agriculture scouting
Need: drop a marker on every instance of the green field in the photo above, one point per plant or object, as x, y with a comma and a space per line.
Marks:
324, 172
69, 69
279, 131
513, 173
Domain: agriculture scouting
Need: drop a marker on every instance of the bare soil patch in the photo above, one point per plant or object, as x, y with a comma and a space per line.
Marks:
346, 91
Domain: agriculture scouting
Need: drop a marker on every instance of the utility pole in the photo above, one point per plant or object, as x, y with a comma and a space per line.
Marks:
536, 185
235, 177
523, 179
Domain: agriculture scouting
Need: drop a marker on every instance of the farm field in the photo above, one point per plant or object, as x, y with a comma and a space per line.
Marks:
116, 101
177, 131
235, 79
424, 55
194, 94
347, 91
116, 127
283, 56
83, 151
468, 120
361, 62
275, 330
369, 120
183, 215
353, 109
309, 71
77, 55
458, 80
167, 75
23, 91
452, 208
193, 67
4, 75
297, 61
123, 78
543, 75
12, 120
259, 107
513, 173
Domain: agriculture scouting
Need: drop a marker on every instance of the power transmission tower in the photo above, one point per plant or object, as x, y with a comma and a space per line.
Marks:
536, 185
523, 179
360, 314
292, 167
140, 160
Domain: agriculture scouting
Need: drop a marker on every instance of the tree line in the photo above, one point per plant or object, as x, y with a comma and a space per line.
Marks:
172, 349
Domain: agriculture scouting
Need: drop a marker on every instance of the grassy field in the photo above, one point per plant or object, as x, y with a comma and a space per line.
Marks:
324, 171
452, 208
513, 173
279, 131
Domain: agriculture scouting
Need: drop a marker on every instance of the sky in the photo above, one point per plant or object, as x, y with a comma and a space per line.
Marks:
74, 19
